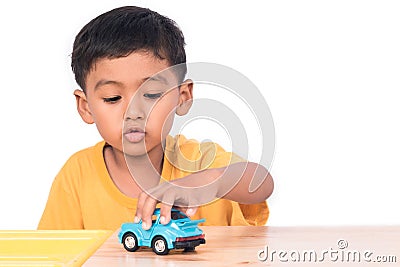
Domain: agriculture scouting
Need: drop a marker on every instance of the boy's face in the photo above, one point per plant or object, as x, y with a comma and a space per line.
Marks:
128, 106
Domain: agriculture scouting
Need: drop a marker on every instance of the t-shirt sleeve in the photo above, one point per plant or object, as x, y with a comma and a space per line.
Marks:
62, 209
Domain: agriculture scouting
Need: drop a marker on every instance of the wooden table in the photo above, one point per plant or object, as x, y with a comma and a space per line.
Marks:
244, 246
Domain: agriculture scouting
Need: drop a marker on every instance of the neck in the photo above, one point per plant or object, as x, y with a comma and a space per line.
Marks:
147, 168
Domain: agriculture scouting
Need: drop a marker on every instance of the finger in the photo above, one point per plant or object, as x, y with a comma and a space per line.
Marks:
168, 200
139, 207
147, 212
165, 211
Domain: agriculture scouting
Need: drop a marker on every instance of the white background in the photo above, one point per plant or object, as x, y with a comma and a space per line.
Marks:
329, 71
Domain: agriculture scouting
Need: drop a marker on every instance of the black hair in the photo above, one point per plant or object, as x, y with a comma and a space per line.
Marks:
121, 31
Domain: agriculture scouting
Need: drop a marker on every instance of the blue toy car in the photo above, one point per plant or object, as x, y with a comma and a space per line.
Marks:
180, 232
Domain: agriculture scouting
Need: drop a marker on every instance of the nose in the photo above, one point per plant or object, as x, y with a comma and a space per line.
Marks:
135, 110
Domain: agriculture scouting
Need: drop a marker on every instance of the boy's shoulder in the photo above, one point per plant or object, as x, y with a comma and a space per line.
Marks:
85, 165
89, 154
180, 143
98, 147
192, 155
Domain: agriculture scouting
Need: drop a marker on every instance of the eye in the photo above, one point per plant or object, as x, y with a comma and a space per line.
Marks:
113, 99
152, 96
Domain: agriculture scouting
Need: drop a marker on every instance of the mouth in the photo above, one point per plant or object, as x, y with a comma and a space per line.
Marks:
134, 134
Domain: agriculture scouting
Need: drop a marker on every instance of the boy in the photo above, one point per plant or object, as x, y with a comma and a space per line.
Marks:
114, 57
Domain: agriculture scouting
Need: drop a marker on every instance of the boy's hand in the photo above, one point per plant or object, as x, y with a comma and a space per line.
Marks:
185, 194
146, 206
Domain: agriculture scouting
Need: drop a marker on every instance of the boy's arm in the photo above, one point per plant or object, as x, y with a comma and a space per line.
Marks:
254, 185
243, 182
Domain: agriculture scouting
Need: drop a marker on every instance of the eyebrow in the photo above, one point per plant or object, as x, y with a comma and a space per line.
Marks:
157, 78
105, 82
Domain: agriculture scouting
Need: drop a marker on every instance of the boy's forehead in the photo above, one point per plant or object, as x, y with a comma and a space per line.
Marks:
132, 70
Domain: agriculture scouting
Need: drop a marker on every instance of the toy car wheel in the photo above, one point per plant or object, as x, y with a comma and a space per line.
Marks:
130, 242
159, 246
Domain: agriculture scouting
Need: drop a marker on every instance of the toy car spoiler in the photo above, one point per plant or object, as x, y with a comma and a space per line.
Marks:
190, 224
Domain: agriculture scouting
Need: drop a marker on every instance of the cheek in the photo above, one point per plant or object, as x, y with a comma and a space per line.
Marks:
107, 115
108, 122
162, 117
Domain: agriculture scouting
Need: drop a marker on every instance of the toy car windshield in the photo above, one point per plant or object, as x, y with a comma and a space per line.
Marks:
176, 215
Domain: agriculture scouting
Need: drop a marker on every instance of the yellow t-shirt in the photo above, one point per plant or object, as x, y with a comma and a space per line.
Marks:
83, 195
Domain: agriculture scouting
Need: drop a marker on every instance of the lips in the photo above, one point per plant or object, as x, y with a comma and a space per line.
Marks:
134, 134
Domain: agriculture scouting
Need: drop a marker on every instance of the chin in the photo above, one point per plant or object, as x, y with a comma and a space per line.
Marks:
137, 151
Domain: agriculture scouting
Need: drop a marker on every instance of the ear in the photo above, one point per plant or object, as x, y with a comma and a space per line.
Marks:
185, 97
83, 106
